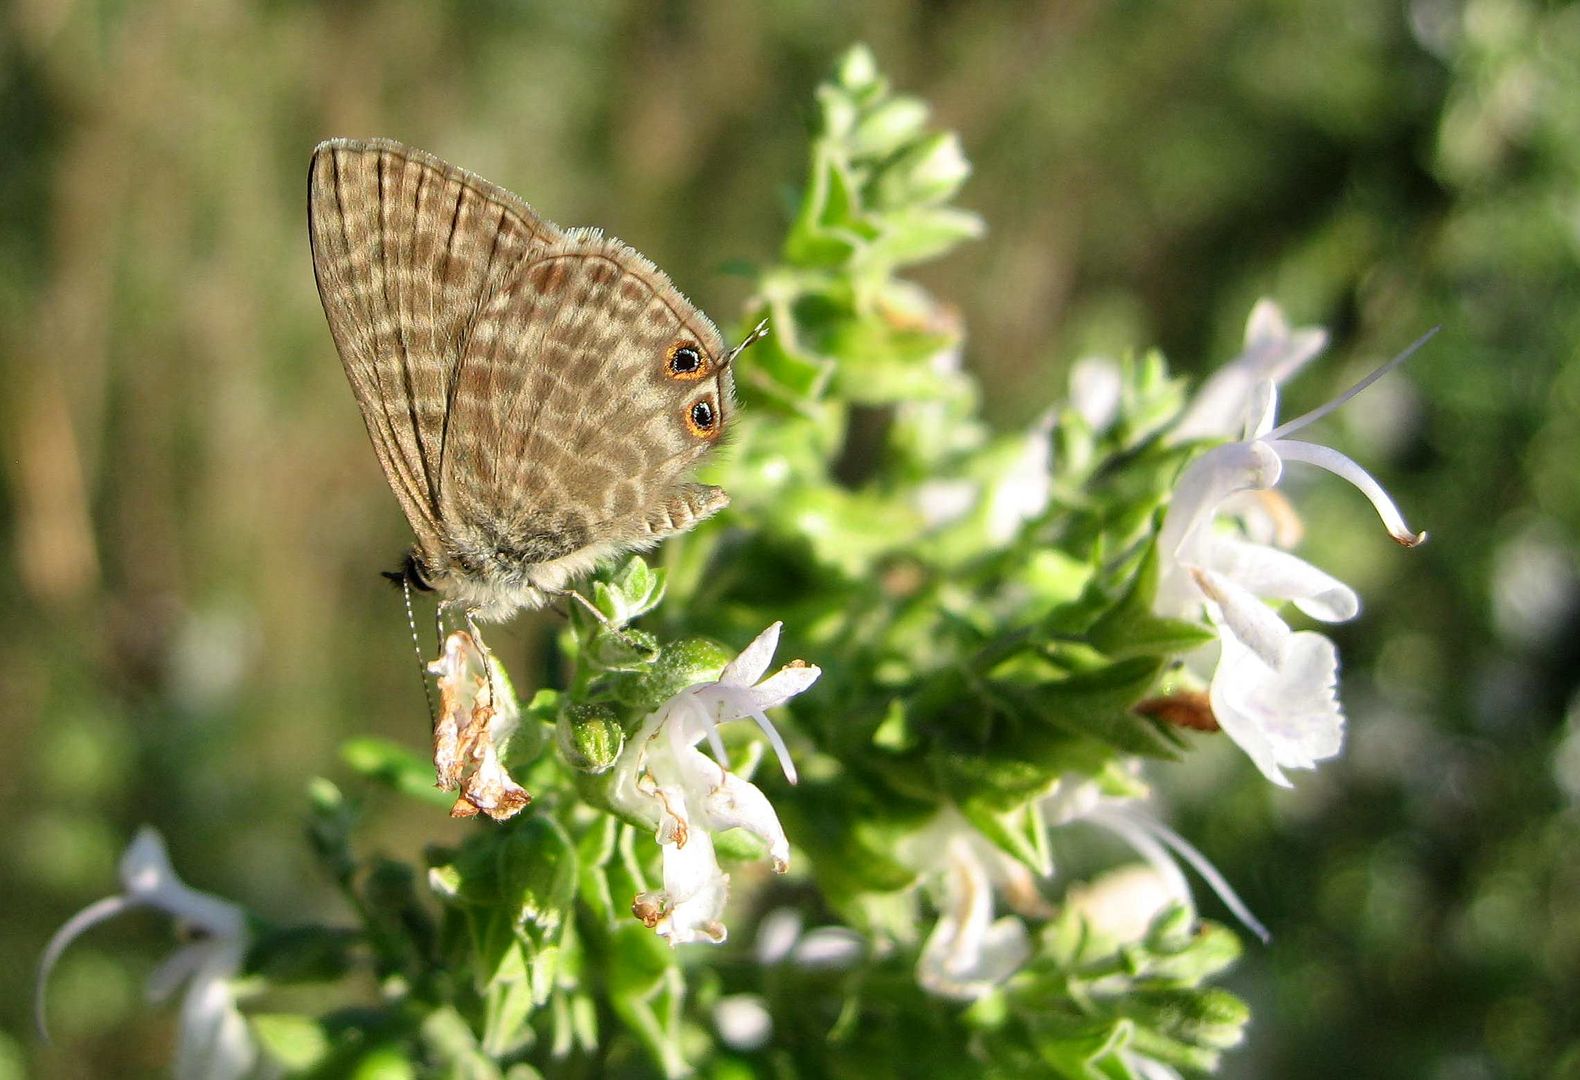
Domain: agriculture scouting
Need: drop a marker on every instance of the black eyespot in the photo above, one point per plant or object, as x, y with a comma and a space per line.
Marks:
702, 415
684, 360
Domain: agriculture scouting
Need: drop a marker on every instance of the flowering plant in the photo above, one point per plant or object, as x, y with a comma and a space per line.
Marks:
1002, 633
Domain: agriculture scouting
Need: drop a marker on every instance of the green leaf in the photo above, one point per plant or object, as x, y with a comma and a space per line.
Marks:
1130, 629
297, 1042
396, 767
1096, 704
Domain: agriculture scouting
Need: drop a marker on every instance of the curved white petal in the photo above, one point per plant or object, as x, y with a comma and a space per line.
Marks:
95, 913
1289, 718
749, 666
1325, 457
1244, 617
1277, 575
733, 803
1207, 482
967, 954
696, 890
213, 1040
1261, 409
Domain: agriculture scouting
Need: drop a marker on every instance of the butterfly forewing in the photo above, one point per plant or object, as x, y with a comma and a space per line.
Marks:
405, 249
512, 375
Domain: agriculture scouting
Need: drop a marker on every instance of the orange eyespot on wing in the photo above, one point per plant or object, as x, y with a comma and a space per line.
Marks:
703, 419
686, 362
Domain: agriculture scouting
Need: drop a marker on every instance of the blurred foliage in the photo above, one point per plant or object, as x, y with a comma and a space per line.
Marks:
191, 519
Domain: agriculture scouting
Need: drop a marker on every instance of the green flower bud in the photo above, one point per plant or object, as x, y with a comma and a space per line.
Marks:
888, 127
684, 663
928, 173
590, 737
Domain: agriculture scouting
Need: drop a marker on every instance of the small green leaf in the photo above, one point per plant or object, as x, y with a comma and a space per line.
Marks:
395, 766
298, 1043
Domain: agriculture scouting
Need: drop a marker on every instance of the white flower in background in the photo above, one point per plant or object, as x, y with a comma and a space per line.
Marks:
969, 952
1273, 352
1021, 492
687, 796
780, 940
1018, 490
213, 1040
1096, 388
1274, 690
1081, 800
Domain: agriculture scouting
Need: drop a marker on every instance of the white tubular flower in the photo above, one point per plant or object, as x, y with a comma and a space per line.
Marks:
1273, 352
1274, 690
213, 1040
663, 779
968, 952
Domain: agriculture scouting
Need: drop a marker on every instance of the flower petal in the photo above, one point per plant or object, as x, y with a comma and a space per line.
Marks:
736, 803
1261, 409
968, 954
150, 879
696, 890
1241, 615
1095, 389
213, 1041
749, 666
1277, 575
1206, 483
1288, 718
1272, 352
1326, 457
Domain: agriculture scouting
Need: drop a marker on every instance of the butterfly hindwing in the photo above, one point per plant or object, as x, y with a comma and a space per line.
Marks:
566, 433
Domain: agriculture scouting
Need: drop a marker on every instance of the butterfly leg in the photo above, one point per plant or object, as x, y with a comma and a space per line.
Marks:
483, 650
571, 595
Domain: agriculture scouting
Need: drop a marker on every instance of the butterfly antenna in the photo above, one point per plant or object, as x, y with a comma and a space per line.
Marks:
758, 333
416, 644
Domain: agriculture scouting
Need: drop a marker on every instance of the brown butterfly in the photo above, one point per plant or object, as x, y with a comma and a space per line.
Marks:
536, 395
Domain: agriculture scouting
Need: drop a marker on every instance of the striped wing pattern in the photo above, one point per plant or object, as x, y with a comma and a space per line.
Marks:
511, 374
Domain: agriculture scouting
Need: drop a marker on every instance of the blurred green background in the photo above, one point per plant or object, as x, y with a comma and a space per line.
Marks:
191, 520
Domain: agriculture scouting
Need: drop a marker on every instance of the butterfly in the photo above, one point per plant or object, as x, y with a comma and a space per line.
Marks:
536, 396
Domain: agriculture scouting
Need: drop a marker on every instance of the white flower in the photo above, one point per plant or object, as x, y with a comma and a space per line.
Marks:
1096, 389
1274, 690
1273, 352
968, 952
213, 1040
1022, 491
663, 779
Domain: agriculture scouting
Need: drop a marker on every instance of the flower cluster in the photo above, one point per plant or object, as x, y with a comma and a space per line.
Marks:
1274, 690
686, 796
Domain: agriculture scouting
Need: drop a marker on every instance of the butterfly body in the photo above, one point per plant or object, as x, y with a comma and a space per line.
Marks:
535, 396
